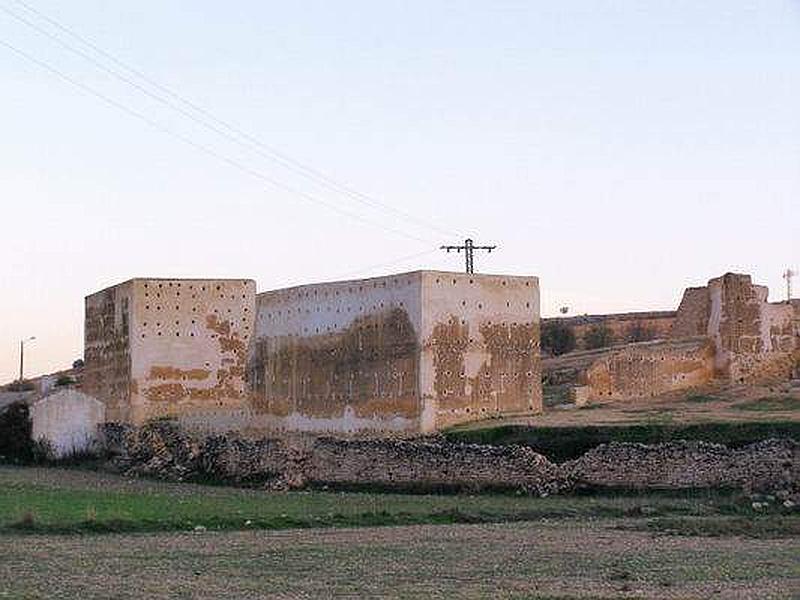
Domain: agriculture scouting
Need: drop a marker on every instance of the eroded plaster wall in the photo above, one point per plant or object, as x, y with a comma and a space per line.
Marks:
480, 351
693, 313
755, 340
649, 369
339, 357
107, 351
190, 346
169, 347
404, 353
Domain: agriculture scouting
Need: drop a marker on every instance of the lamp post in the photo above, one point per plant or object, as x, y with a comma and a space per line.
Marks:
22, 355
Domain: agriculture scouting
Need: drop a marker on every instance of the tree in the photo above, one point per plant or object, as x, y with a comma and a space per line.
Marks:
557, 337
598, 336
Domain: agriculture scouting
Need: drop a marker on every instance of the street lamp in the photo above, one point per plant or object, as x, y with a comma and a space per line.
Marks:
22, 355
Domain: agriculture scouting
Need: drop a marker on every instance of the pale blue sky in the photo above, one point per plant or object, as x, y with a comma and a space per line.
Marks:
618, 150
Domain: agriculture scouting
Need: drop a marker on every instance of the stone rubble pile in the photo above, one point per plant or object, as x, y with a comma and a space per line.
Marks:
161, 449
768, 467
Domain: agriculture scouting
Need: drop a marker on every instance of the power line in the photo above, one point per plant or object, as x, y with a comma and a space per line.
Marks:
217, 125
232, 162
386, 264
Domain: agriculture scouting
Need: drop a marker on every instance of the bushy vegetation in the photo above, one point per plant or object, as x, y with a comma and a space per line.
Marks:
598, 336
64, 380
16, 445
557, 338
639, 333
566, 443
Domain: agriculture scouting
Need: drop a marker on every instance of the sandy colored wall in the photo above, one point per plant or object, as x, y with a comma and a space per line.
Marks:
339, 357
650, 368
755, 340
693, 313
68, 421
168, 347
107, 355
404, 353
189, 346
480, 353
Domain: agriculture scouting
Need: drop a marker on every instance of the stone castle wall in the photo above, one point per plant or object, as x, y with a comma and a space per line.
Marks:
651, 368
755, 340
339, 356
169, 347
693, 313
410, 352
406, 353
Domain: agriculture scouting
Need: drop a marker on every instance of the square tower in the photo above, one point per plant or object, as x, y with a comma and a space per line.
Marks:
169, 347
413, 352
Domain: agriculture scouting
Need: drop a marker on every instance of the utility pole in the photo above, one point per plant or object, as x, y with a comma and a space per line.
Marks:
788, 275
22, 356
468, 247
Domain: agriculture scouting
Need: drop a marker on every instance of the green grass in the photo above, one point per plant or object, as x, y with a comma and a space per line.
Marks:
28, 506
701, 398
566, 443
770, 404
769, 526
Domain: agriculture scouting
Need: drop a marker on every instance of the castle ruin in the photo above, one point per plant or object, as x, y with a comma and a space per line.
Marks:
406, 353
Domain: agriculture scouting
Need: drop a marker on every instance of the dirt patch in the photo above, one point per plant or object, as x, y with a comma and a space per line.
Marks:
530, 560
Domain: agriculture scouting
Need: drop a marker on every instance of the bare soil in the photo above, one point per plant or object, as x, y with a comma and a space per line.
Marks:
713, 404
523, 560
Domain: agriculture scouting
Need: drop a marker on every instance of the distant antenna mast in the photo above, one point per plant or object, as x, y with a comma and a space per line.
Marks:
469, 247
788, 275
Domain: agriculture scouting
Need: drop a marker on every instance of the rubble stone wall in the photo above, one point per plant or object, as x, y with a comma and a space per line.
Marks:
163, 450
772, 466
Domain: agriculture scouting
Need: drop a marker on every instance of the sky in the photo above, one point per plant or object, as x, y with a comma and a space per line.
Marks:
620, 151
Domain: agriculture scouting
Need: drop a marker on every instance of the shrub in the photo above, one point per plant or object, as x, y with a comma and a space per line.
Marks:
64, 380
557, 338
598, 336
640, 333
16, 444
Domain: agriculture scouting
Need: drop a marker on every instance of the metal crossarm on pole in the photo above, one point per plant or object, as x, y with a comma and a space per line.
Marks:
469, 248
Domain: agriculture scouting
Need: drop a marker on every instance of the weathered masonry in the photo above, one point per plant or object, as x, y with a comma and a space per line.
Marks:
725, 331
411, 352
169, 347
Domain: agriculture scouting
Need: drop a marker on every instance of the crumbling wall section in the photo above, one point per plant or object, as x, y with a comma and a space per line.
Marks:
650, 368
771, 466
755, 340
107, 351
693, 313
